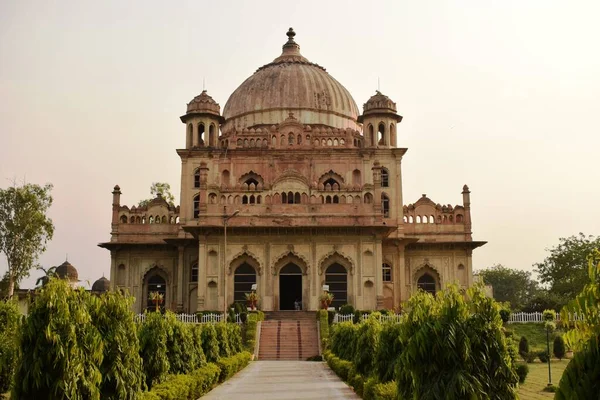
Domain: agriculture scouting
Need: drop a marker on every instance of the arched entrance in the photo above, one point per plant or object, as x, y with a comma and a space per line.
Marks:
336, 277
427, 283
156, 283
243, 279
290, 287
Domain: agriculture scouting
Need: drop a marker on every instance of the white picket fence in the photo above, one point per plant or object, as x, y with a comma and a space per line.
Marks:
193, 318
515, 318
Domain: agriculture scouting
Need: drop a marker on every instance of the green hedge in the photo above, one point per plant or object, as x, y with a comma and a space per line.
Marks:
210, 343
374, 390
250, 328
339, 366
323, 316
10, 321
343, 340
190, 386
229, 366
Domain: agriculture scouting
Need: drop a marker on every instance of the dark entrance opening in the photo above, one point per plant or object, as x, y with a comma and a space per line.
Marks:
156, 284
290, 287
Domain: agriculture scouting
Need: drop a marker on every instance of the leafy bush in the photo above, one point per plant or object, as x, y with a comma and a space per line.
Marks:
388, 351
323, 328
235, 338
180, 346
522, 371
504, 315
210, 343
223, 339
559, 347
196, 331
250, 334
523, 347
347, 309
385, 391
60, 349
367, 339
339, 366
230, 365
10, 321
543, 356
550, 388
356, 381
530, 357
464, 332
153, 334
122, 370
191, 386
581, 378
343, 340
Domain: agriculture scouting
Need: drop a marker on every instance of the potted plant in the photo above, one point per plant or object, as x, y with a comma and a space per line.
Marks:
157, 298
252, 300
326, 299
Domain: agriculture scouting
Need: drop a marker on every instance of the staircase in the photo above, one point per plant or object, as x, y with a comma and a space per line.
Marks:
288, 335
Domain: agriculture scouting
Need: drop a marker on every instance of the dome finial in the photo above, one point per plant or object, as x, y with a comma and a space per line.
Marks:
290, 34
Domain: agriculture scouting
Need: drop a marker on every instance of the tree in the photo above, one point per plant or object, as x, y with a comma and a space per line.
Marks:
4, 287
511, 285
159, 188
10, 319
565, 269
24, 228
48, 273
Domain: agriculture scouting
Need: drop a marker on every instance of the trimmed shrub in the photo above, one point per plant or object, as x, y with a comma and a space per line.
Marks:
196, 331
210, 343
339, 366
356, 381
523, 347
323, 328
388, 351
347, 309
153, 334
235, 338
191, 386
559, 347
522, 371
223, 339
10, 322
122, 369
60, 349
385, 391
504, 315
581, 379
543, 356
453, 347
250, 334
367, 339
229, 366
343, 340
530, 357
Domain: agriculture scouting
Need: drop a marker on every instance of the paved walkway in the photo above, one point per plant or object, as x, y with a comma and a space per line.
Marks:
266, 380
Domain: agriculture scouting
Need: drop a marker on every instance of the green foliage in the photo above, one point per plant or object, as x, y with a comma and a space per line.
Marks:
180, 346
230, 365
535, 334
550, 388
566, 268
10, 322
505, 315
559, 347
24, 228
544, 300
385, 391
210, 342
153, 335
347, 309
250, 334
4, 283
510, 285
121, 368
581, 378
388, 351
60, 349
191, 386
549, 315
530, 357
522, 371
323, 316
343, 340
543, 356
356, 381
339, 366
235, 338
523, 347
367, 340
197, 342
465, 335
159, 189
223, 339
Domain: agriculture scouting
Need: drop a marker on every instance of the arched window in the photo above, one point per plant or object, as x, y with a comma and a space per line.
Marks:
336, 277
385, 206
200, 134
132, 220
427, 283
244, 199
356, 177
387, 272
405, 219
211, 135
331, 182
381, 134
368, 198
291, 138
258, 199
290, 198
123, 219
252, 199
138, 220
243, 279
328, 199
151, 220
459, 218
157, 219
385, 178
274, 140
371, 138
194, 273
156, 283
297, 198
240, 143
197, 178
196, 206
336, 200
299, 139
225, 177
418, 220
190, 135
251, 181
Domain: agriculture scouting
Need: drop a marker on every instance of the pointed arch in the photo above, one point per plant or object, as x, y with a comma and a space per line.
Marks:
336, 256
287, 257
245, 256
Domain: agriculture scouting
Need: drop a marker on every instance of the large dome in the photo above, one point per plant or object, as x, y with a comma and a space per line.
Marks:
290, 83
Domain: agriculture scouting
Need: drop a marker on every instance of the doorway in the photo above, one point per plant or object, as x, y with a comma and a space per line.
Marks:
290, 287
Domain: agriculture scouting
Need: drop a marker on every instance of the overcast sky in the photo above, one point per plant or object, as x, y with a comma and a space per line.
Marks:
501, 95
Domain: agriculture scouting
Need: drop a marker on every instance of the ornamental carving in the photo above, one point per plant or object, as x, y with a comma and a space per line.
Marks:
336, 256
294, 257
244, 256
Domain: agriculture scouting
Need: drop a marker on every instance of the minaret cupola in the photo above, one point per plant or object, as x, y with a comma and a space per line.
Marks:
380, 120
203, 119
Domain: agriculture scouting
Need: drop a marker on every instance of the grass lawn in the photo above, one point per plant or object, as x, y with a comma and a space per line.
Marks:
537, 379
535, 334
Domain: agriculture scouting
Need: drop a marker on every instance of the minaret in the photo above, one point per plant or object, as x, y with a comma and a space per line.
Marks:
380, 120
116, 204
467, 204
203, 119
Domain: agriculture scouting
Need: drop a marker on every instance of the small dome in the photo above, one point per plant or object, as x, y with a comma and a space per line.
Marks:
67, 271
203, 103
101, 285
379, 103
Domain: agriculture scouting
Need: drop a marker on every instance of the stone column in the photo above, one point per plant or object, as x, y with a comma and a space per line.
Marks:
201, 272
113, 269
378, 273
180, 269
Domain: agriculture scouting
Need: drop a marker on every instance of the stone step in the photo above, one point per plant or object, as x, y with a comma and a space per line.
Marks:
287, 339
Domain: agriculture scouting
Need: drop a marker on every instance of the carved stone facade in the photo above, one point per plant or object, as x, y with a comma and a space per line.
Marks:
290, 189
